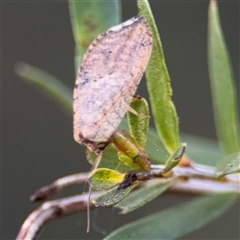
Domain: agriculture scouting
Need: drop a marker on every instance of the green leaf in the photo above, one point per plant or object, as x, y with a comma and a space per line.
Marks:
113, 196
48, 84
159, 88
175, 158
157, 153
229, 164
222, 85
139, 124
143, 195
177, 221
89, 19
104, 178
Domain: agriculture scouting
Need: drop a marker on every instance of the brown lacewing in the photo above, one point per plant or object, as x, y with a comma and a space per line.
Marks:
107, 80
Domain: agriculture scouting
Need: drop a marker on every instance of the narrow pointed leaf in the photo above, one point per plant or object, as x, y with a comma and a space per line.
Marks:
138, 125
222, 84
159, 88
113, 196
47, 84
229, 164
175, 158
89, 19
177, 221
143, 195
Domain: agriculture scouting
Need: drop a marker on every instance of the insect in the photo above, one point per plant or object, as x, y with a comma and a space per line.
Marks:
107, 80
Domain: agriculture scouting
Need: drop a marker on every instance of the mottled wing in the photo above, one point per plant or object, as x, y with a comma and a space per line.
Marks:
108, 78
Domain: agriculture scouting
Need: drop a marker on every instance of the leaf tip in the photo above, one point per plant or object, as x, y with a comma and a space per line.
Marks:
20, 68
213, 3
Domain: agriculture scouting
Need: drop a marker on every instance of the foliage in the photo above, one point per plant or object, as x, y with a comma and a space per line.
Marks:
202, 210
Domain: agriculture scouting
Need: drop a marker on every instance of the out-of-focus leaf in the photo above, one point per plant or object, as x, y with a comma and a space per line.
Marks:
89, 19
157, 153
143, 195
104, 178
139, 124
113, 196
46, 83
177, 221
159, 88
222, 85
229, 164
175, 158
202, 150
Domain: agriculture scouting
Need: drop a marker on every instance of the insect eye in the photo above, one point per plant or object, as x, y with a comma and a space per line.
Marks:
102, 145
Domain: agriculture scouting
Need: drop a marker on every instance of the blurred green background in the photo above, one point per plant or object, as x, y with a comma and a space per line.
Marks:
37, 142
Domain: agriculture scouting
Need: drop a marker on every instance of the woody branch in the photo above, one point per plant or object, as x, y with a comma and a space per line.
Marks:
192, 180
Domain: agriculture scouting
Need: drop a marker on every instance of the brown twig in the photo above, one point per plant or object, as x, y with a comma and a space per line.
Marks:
53, 210
197, 180
58, 185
